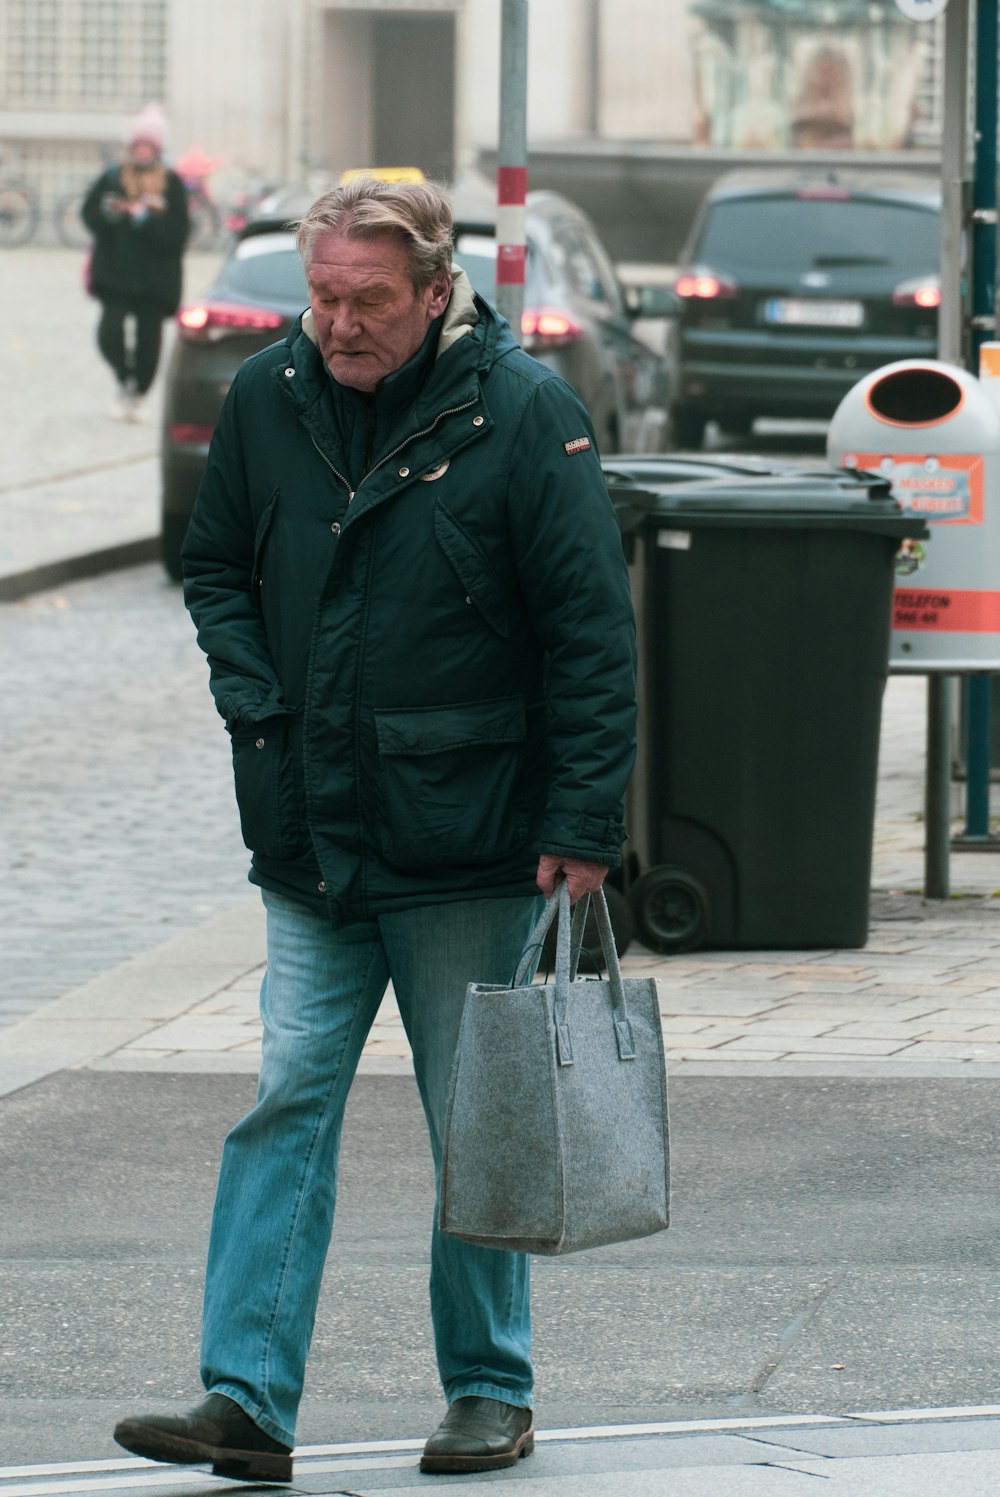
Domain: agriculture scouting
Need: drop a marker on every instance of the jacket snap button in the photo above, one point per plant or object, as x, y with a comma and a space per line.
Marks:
468, 599
404, 472
478, 420
321, 886
289, 373
335, 527
260, 743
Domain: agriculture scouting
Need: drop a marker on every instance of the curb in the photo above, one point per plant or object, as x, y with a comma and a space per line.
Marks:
18, 585
129, 1000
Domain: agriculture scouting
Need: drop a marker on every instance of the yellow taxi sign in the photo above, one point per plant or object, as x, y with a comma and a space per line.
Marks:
384, 173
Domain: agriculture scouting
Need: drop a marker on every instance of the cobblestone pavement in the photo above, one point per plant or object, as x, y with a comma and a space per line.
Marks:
119, 823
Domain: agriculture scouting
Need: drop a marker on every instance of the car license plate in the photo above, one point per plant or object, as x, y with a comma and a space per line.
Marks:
811, 312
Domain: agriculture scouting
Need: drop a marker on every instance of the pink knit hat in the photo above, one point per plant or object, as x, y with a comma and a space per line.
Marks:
150, 125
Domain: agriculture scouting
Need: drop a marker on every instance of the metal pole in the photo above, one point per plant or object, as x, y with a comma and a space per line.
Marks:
979, 687
951, 349
512, 166
937, 788
954, 182
593, 67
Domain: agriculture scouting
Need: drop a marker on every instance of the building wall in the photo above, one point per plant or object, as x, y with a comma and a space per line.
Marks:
228, 87
646, 71
642, 74
284, 88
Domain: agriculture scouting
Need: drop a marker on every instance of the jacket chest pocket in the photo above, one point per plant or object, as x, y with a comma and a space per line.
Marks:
449, 783
473, 571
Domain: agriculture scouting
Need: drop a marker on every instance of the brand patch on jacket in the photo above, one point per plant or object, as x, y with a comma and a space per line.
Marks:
578, 444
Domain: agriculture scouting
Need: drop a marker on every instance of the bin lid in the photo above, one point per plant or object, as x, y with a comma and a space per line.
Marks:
801, 499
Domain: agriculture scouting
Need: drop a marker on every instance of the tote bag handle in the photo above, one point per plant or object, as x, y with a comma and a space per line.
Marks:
569, 937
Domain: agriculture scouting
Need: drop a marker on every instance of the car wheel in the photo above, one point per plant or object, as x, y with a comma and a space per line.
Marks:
671, 909
173, 529
688, 426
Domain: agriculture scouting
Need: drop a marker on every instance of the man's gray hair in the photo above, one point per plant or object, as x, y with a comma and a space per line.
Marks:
419, 211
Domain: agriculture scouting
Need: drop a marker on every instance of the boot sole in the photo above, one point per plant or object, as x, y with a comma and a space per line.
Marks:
444, 1464
244, 1465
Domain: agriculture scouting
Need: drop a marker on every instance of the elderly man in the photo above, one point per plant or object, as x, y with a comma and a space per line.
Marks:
409, 583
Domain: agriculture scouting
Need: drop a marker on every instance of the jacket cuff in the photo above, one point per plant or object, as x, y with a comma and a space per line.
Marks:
594, 839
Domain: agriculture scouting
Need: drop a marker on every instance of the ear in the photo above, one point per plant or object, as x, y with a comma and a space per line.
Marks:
439, 291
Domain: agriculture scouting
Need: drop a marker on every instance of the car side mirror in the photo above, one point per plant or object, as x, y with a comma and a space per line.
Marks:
651, 301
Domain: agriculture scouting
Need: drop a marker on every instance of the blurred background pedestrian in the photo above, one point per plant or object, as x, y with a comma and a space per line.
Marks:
138, 215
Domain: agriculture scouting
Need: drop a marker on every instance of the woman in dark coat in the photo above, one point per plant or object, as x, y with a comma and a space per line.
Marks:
138, 215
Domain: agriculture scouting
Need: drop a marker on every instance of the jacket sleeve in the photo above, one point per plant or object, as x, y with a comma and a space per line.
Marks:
90, 210
571, 567
218, 561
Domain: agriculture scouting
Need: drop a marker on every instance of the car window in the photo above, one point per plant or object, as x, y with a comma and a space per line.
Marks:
267, 267
802, 234
581, 266
477, 255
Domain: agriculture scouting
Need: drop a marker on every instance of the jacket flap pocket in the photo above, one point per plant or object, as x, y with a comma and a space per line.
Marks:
473, 570
430, 730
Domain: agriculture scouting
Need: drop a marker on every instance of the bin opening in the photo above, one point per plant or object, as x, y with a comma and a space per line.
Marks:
915, 397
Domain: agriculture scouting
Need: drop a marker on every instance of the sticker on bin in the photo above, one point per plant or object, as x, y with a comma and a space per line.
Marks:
941, 489
674, 540
955, 610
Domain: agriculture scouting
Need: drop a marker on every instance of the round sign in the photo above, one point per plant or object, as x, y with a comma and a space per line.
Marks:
922, 10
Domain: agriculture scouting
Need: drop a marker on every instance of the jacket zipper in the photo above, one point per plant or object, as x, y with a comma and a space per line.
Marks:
454, 411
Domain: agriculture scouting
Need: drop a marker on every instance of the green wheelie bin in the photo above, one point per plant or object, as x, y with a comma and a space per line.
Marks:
764, 610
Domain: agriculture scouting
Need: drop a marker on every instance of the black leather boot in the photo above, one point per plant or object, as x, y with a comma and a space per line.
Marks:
216, 1431
479, 1434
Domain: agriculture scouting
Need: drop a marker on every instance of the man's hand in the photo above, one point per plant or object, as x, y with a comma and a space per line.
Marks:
582, 878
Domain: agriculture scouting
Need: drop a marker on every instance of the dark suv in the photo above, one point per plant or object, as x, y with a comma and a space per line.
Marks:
791, 291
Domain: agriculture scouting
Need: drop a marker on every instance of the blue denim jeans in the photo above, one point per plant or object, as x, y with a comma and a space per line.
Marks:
278, 1182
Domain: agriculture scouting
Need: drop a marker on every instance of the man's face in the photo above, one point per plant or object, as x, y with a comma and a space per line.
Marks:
369, 320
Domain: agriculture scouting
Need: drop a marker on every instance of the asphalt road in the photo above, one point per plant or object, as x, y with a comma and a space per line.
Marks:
833, 1249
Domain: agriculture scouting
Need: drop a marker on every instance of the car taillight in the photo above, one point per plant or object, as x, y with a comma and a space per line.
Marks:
704, 285
548, 327
186, 434
925, 292
825, 192
209, 320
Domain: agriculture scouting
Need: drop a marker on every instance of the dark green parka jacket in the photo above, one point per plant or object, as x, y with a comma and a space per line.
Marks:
417, 618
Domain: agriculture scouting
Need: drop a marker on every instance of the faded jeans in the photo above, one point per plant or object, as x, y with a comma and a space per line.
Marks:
278, 1182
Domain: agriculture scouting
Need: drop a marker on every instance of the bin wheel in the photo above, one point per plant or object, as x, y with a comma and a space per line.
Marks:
622, 928
670, 908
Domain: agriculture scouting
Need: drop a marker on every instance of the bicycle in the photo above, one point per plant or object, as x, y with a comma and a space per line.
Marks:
70, 227
19, 211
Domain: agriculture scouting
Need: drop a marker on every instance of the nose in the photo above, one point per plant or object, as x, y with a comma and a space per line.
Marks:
344, 322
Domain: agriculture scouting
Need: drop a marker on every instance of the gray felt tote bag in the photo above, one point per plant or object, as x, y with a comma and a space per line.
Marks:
556, 1136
